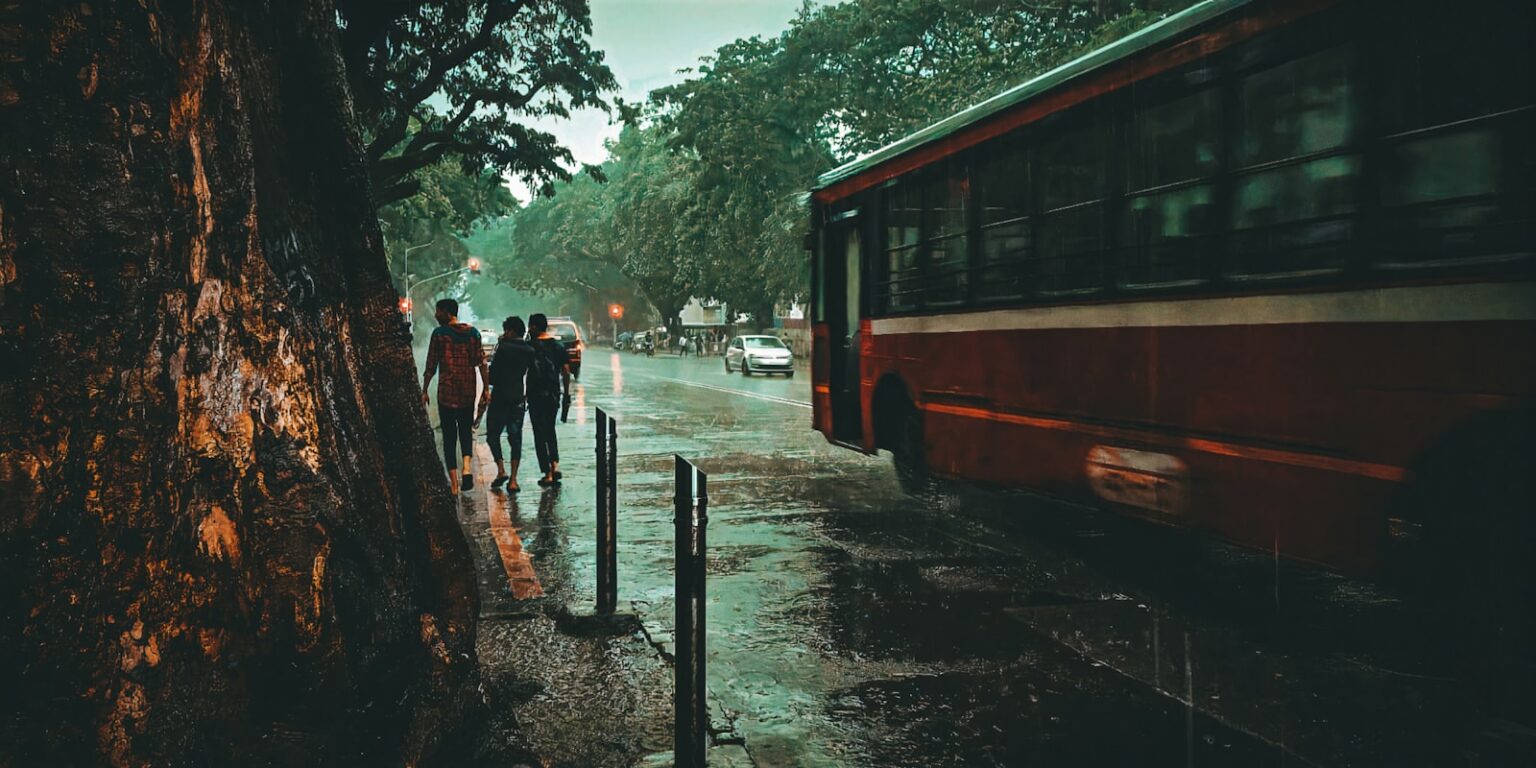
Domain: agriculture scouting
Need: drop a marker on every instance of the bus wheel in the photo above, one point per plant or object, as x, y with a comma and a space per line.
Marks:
1478, 505
907, 451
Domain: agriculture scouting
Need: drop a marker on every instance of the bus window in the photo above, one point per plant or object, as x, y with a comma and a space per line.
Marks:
1434, 81
1296, 190
1441, 200
900, 285
1002, 189
1456, 179
944, 228
1073, 173
1171, 157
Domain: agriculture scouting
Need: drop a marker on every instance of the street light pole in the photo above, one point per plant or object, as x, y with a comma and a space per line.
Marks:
474, 266
615, 311
407, 265
406, 268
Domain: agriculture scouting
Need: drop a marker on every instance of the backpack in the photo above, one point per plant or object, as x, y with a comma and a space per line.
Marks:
545, 376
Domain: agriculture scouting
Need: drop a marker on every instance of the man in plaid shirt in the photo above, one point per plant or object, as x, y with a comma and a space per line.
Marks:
455, 351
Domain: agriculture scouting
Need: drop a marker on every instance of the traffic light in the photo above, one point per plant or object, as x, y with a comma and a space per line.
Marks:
474, 266
405, 305
616, 311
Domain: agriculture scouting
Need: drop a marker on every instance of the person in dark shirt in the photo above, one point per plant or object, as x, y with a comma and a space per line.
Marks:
548, 380
455, 350
509, 399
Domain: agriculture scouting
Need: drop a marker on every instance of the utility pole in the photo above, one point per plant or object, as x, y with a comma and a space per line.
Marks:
473, 267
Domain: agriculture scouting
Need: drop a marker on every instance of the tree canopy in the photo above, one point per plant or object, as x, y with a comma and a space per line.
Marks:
637, 228
432, 224
456, 80
708, 183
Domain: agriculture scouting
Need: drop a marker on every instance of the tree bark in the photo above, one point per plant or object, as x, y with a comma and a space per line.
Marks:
225, 535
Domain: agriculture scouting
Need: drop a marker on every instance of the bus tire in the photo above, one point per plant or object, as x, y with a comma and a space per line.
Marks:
908, 453
1476, 498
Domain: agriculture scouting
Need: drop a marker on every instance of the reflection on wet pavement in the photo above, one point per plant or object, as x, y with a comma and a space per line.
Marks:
852, 625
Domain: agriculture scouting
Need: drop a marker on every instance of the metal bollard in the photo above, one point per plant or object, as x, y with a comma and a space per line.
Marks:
690, 507
611, 548
607, 513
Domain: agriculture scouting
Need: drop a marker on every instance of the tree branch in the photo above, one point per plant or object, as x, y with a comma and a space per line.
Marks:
496, 13
396, 192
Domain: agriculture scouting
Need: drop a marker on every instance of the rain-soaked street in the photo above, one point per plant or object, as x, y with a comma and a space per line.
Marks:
850, 624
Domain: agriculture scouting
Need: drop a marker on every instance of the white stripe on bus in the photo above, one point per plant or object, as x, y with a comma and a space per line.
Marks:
1433, 303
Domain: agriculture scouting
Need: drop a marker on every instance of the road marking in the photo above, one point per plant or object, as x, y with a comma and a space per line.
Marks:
522, 577
729, 391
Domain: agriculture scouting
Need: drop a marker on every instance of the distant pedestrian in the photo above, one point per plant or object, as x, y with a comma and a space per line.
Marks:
455, 351
548, 381
509, 399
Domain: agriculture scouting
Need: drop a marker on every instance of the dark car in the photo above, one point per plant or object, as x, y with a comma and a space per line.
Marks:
564, 329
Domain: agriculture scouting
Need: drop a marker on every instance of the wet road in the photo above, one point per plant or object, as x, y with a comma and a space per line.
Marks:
852, 625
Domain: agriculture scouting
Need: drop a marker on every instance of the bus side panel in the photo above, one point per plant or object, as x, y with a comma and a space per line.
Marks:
1294, 435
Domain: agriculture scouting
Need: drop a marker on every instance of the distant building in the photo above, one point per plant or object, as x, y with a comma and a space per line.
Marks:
704, 313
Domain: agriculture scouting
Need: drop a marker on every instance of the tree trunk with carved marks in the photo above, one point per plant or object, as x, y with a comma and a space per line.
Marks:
225, 538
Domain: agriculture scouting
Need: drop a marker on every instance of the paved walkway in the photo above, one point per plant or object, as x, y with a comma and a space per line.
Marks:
572, 697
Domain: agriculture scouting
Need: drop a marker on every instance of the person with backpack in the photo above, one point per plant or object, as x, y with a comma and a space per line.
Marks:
510, 367
455, 351
548, 381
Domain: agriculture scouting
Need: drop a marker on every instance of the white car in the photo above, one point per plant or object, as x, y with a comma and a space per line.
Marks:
488, 340
759, 354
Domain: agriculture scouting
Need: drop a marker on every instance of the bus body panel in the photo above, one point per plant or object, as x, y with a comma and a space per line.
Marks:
1294, 434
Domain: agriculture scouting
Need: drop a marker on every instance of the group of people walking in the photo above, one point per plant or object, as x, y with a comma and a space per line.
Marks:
529, 374
697, 343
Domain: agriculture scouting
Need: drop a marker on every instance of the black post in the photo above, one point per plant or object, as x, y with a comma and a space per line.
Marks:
607, 583
610, 551
691, 717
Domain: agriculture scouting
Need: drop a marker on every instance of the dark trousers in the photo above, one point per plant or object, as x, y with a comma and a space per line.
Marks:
458, 427
542, 410
509, 418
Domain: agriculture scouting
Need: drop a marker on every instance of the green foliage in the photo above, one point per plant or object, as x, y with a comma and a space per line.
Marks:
448, 206
450, 80
708, 183
639, 228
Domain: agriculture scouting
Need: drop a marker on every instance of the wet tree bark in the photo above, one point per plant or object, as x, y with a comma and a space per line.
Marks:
225, 538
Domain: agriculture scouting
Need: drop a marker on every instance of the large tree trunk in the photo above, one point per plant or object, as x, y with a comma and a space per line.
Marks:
224, 535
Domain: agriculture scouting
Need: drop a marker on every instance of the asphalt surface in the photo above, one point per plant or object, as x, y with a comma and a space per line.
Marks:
853, 625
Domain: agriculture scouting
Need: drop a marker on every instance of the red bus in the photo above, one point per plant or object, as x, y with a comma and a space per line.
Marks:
1264, 269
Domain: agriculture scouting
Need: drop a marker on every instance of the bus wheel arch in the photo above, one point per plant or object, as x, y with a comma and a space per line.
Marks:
1472, 496
899, 428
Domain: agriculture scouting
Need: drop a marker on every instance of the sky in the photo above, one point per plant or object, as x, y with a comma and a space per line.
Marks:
646, 42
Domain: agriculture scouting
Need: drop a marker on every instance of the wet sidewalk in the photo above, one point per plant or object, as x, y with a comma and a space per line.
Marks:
572, 692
